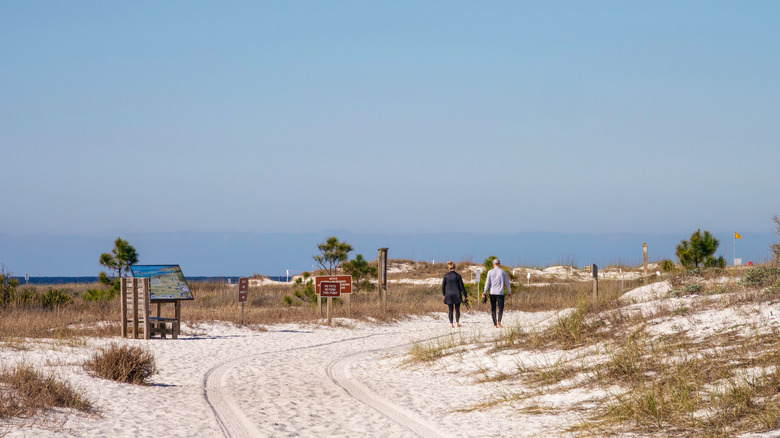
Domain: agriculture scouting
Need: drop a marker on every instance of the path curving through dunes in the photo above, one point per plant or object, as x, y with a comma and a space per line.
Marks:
320, 394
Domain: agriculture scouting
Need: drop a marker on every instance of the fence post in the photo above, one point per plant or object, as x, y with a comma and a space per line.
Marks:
382, 265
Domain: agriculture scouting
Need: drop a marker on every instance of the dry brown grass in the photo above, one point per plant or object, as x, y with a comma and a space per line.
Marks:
673, 384
25, 393
218, 302
267, 305
122, 363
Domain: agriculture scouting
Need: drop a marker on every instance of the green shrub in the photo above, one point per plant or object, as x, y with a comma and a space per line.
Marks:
122, 363
303, 288
8, 286
25, 298
760, 276
287, 300
54, 298
688, 289
773, 289
667, 265
98, 295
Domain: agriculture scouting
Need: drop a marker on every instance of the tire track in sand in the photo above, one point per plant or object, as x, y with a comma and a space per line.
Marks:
229, 416
339, 372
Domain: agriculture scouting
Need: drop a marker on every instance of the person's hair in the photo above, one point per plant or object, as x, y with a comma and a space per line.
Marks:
496, 262
451, 265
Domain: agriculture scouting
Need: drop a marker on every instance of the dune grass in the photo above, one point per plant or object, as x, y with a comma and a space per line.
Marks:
122, 363
672, 384
26, 393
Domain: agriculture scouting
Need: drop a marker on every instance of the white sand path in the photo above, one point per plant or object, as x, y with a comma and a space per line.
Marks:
290, 381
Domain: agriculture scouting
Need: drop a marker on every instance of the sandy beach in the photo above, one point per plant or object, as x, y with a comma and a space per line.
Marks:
353, 378
348, 380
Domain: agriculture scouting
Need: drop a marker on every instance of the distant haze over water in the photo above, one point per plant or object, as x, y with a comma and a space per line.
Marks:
206, 254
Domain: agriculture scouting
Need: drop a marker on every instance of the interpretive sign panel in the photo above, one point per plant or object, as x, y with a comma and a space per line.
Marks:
243, 289
344, 280
166, 282
330, 289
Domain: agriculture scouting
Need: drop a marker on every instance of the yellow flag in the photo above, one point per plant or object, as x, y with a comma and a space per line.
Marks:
737, 236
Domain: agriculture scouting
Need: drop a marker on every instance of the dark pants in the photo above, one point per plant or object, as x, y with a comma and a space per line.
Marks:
456, 306
497, 300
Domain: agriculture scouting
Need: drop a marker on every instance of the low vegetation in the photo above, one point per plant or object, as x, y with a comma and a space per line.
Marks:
642, 381
122, 363
678, 382
25, 393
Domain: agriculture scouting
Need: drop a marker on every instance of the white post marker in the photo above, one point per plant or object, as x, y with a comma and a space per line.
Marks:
529, 278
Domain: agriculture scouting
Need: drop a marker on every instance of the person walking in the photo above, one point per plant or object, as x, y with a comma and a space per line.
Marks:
452, 287
497, 279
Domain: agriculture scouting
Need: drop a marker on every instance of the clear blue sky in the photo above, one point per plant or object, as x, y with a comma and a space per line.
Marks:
402, 116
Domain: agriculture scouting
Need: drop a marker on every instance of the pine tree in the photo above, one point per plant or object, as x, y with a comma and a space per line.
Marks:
361, 271
332, 254
698, 251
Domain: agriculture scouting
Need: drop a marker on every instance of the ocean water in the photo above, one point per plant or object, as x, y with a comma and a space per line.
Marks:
77, 280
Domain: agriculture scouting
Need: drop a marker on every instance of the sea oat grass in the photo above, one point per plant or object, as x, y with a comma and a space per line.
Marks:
434, 349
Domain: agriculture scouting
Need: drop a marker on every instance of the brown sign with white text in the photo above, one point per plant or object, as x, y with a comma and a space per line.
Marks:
344, 280
243, 289
330, 289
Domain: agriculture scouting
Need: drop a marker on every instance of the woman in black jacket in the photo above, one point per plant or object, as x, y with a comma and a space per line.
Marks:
452, 287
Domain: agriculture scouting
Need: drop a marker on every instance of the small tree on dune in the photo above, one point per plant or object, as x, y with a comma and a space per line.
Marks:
361, 271
332, 254
117, 262
698, 251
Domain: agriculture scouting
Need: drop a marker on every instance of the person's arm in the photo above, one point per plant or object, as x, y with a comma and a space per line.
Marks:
487, 283
444, 285
508, 284
463, 288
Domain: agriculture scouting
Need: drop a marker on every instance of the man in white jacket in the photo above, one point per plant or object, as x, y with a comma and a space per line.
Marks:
497, 280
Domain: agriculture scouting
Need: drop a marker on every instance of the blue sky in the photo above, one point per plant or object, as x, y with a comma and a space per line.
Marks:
392, 117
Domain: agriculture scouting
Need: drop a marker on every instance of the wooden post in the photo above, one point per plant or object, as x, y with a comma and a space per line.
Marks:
176, 314
134, 287
382, 283
348, 301
160, 325
319, 304
595, 273
144, 282
330, 304
123, 304
644, 253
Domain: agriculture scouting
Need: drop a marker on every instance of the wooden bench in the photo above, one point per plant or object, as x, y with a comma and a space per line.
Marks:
157, 326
